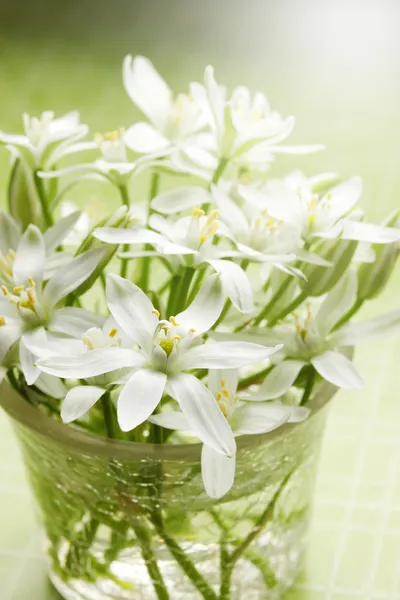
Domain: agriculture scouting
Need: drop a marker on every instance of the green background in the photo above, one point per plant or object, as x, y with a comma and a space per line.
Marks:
336, 67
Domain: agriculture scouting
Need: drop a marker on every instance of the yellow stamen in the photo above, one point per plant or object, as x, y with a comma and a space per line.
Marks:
225, 392
222, 383
218, 396
4, 290
2, 321
18, 289
192, 330
156, 312
177, 338
32, 282
173, 321
30, 295
198, 212
113, 332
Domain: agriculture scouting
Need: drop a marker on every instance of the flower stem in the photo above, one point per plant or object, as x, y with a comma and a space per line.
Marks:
48, 218
309, 386
219, 170
143, 537
290, 308
239, 551
123, 190
254, 378
278, 294
145, 274
184, 561
355, 308
108, 415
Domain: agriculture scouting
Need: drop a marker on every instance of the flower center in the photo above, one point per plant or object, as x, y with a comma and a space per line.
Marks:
208, 225
23, 298
37, 128
112, 146
6, 265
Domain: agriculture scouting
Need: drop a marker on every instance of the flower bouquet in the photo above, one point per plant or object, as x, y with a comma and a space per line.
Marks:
167, 368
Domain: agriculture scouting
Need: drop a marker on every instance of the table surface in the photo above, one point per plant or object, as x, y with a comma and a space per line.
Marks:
354, 544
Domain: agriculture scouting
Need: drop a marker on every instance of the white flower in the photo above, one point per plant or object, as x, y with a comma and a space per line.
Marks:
245, 418
113, 166
173, 122
82, 226
328, 216
167, 350
312, 339
46, 139
29, 303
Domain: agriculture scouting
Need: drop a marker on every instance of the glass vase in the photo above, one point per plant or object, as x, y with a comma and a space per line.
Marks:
127, 521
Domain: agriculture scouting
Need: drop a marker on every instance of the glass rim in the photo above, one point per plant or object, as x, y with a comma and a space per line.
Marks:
32, 418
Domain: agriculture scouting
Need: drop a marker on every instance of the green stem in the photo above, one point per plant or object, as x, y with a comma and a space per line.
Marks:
184, 289
355, 308
290, 308
124, 193
254, 378
184, 561
108, 415
143, 537
278, 294
239, 551
309, 386
219, 170
48, 218
172, 295
145, 274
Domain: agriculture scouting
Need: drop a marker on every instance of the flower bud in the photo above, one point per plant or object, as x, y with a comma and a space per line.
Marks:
23, 201
373, 277
321, 280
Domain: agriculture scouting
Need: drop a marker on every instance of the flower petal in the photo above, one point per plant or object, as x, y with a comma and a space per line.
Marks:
229, 377
145, 139
27, 359
140, 396
258, 418
30, 257
132, 310
54, 236
9, 233
79, 400
205, 308
51, 386
343, 197
8, 335
278, 382
75, 321
171, 420
181, 198
203, 413
67, 280
337, 369
356, 333
218, 472
92, 363
140, 235
369, 232
235, 284
147, 89
225, 355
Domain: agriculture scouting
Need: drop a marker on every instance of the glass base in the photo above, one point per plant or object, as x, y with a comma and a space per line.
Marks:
266, 572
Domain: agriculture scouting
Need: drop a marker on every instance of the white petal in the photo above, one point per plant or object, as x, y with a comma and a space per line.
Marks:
79, 400
140, 235
54, 236
218, 472
339, 300
30, 257
278, 382
369, 232
8, 335
67, 280
147, 89
205, 308
171, 420
132, 310
297, 413
181, 198
337, 369
258, 418
55, 262
143, 138
203, 413
343, 197
356, 333
230, 211
225, 355
140, 396
170, 249
9, 233
75, 321
91, 364
27, 359
235, 284
51, 386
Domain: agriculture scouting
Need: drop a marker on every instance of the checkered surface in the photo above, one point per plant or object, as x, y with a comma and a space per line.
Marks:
354, 544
